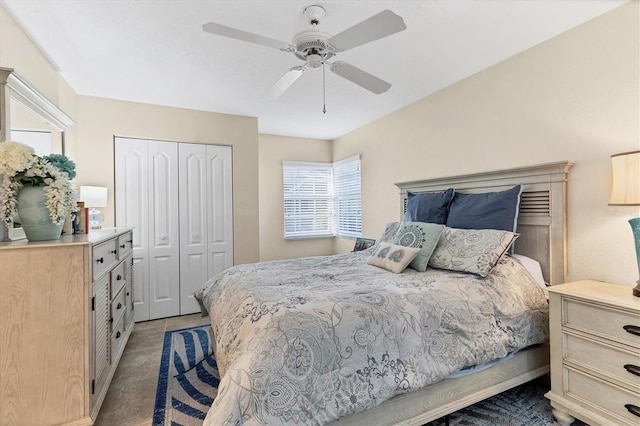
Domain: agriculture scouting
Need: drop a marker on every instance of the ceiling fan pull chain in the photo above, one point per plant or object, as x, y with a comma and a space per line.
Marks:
324, 92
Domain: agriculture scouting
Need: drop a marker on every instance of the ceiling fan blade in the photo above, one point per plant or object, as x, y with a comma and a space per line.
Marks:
378, 26
285, 81
225, 31
359, 77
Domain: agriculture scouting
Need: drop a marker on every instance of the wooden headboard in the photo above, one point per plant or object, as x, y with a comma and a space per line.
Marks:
542, 222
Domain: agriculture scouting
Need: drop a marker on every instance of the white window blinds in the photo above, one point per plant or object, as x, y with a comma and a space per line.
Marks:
346, 198
322, 199
308, 199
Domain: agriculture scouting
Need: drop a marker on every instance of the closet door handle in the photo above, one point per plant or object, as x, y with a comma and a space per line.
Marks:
633, 409
633, 329
633, 369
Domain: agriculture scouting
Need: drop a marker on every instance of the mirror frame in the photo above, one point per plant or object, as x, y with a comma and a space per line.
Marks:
12, 86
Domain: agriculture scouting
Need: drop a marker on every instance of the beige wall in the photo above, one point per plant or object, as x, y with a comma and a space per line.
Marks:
273, 150
575, 97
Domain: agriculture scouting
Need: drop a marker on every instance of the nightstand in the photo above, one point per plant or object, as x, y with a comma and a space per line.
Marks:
595, 353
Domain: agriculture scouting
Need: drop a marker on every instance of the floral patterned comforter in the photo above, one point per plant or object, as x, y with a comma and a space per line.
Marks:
309, 340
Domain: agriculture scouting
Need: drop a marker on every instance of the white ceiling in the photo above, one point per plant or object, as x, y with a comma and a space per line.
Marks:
156, 52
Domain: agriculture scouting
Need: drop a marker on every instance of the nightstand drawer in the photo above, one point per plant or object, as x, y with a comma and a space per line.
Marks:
610, 399
606, 360
602, 321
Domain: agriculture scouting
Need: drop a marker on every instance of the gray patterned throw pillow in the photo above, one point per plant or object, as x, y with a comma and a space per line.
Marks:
471, 250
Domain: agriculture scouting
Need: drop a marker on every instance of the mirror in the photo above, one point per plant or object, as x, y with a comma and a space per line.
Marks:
29, 117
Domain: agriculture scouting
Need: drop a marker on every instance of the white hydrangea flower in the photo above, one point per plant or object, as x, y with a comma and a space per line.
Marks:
20, 166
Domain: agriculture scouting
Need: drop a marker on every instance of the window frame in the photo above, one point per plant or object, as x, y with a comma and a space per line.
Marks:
321, 189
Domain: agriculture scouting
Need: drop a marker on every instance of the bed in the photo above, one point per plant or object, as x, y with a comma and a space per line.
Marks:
379, 347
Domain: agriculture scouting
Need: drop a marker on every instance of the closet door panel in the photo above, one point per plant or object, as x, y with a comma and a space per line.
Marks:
219, 208
193, 224
132, 210
164, 243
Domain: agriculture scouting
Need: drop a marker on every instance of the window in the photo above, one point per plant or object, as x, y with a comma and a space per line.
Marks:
346, 198
322, 199
308, 199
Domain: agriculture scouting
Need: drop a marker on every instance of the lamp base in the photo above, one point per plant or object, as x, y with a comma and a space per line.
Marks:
636, 289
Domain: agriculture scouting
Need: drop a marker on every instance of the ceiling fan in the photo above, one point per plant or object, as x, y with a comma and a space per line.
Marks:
316, 47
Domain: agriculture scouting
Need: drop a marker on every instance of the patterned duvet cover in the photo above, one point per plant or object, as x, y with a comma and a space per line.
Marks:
309, 340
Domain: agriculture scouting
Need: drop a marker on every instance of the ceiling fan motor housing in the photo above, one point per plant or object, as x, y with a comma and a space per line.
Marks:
312, 42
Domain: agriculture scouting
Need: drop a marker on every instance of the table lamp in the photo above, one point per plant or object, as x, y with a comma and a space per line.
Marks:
94, 196
625, 191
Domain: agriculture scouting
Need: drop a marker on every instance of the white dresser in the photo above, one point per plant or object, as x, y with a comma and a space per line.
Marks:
595, 353
66, 313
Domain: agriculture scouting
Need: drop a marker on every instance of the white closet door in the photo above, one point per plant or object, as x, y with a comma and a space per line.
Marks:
193, 223
164, 243
219, 208
132, 210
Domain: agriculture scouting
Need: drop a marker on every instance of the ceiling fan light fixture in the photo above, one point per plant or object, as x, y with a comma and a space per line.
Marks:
314, 61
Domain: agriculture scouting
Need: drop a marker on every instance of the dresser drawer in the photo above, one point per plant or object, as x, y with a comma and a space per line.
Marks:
117, 338
605, 359
610, 399
104, 257
118, 307
600, 320
125, 245
118, 279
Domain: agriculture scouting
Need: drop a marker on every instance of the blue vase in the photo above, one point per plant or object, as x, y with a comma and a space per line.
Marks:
34, 215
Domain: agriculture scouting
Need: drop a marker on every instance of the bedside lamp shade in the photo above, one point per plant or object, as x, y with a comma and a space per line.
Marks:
625, 186
625, 191
94, 196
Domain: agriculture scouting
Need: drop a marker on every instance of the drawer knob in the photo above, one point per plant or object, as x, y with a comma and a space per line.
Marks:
633, 329
119, 306
633, 369
118, 335
112, 251
122, 246
101, 260
119, 277
129, 241
633, 409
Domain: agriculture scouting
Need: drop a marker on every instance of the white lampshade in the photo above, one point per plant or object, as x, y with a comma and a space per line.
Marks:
93, 196
625, 186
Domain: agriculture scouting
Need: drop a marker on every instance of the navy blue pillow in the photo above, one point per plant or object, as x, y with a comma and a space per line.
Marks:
430, 207
489, 210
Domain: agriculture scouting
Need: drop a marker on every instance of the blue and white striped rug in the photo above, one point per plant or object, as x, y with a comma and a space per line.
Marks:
188, 379
188, 383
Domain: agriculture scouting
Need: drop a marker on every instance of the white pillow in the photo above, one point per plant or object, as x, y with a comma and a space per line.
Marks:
392, 257
534, 269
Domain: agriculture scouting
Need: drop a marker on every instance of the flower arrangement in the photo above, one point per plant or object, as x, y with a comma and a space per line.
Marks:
20, 166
